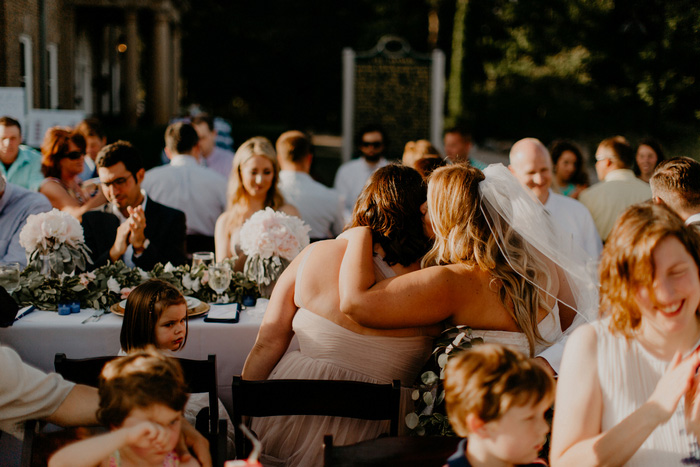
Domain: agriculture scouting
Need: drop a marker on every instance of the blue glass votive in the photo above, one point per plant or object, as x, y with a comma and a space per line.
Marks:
75, 307
64, 309
249, 300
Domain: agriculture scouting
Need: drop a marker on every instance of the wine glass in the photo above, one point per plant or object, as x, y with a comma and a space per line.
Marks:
205, 258
219, 279
9, 276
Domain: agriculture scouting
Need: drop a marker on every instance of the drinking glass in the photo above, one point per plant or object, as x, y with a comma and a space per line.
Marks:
205, 258
9, 276
219, 279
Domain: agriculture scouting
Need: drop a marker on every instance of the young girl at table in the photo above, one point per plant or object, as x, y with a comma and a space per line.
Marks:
497, 398
156, 314
142, 396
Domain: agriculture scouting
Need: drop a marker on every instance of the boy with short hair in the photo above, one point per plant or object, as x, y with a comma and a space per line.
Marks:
497, 398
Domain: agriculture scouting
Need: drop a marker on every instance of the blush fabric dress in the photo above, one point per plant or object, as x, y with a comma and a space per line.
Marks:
628, 375
331, 352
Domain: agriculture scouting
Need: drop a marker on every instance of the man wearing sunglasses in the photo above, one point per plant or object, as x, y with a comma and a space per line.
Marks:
131, 227
352, 175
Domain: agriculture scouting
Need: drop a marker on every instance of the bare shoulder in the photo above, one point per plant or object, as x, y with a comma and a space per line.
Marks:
290, 209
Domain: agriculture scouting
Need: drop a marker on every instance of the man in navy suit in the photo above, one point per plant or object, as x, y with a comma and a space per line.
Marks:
132, 227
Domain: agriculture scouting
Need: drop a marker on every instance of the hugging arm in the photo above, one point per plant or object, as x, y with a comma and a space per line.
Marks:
276, 329
418, 298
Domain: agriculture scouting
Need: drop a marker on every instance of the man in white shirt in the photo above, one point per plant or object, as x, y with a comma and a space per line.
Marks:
319, 206
676, 183
531, 164
185, 185
352, 175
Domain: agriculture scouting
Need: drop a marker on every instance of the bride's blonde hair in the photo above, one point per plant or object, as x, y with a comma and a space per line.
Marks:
463, 236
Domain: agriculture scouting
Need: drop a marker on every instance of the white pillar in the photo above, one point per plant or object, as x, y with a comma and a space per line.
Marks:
348, 103
437, 98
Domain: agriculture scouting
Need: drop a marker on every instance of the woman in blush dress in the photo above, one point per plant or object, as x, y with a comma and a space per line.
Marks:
495, 249
62, 153
305, 303
252, 187
627, 379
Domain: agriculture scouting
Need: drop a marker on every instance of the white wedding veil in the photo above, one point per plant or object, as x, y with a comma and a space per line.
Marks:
510, 209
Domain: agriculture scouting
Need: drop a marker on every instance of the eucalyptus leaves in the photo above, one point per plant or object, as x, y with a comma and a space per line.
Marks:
54, 242
430, 416
111, 283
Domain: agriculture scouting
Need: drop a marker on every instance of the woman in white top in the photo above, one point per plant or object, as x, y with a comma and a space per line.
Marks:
620, 397
252, 186
497, 267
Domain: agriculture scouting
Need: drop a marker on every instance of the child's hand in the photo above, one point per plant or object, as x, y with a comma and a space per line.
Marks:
147, 434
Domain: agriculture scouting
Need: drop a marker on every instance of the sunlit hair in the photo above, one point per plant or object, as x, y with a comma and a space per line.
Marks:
559, 147
293, 146
677, 182
488, 380
427, 165
238, 197
55, 147
656, 147
415, 150
622, 153
139, 380
390, 206
144, 307
463, 236
627, 263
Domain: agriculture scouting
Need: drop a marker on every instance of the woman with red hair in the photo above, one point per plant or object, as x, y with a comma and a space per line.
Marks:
62, 153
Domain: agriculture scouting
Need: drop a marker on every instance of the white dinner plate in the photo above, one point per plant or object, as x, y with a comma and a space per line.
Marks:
192, 303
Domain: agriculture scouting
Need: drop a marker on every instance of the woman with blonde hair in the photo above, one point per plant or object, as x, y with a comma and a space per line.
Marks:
623, 380
252, 186
495, 249
62, 154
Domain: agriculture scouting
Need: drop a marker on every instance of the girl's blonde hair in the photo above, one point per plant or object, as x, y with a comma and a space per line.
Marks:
237, 196
463, 236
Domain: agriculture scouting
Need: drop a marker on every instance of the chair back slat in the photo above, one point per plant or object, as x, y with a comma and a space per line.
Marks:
352, 399
397, 451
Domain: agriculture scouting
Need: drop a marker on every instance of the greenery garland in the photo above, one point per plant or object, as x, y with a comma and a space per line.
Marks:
109, 284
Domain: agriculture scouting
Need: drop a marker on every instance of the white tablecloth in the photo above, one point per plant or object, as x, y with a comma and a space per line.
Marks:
38, 336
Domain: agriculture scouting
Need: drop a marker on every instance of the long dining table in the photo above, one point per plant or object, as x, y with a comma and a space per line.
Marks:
38, 336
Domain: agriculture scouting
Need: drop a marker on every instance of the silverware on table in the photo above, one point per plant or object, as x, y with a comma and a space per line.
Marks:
94, 317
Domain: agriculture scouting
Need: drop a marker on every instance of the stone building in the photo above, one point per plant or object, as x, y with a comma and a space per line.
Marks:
108, 58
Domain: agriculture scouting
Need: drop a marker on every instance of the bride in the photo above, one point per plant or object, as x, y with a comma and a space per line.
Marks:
497, 266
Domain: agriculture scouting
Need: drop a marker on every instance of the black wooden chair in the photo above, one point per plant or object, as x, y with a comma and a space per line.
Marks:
393, 451
200, 376
352, 399
42, 439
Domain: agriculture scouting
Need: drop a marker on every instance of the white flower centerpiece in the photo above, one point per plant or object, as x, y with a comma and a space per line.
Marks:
54, 243
271, 239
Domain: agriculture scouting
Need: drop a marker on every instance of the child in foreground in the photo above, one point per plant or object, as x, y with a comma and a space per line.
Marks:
497, 399
156, 314
142, 397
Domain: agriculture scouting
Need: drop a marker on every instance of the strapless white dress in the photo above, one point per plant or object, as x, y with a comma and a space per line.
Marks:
549, 328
